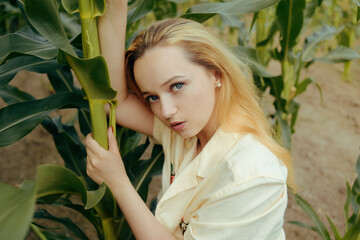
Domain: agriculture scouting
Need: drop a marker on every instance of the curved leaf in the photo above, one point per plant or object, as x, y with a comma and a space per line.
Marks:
290, 17
71, 6
44, 17
16, 210
93, 76
13, 95
69, 146
144, 170
33, 64
339, 54
19, 43
62, 80
53, 179
17, 120
93, 8
248, 55
142, 8
321, 229
312, 42
67, 222
202, 12
334, 229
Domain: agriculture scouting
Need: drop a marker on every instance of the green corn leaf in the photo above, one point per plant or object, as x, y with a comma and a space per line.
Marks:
71, 6
13, 95
91, 9
67, 222
203, 12
53, 179
334, 229
301, 87
347, 202
293, 110
70, 147
17, 206
310, 9
354, 231
312, 42
134, 155
355, 191
17, 120
290, 18
301, 224
62, 80
46, 11
276, 85
142, 8
285, 131
20, 43
248, 56
33, 64
93, 76
339, 54
127, 140
80, 209
321, 229
143, 171
357, 168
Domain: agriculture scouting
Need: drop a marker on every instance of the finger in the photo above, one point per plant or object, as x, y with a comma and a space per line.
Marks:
92, 144
112, 141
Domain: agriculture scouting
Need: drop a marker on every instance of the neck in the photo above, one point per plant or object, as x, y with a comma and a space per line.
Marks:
205, 135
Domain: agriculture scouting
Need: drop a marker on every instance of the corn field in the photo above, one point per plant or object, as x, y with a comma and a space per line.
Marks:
304, 55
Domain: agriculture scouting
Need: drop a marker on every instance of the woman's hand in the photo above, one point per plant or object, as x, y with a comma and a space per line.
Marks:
104, 165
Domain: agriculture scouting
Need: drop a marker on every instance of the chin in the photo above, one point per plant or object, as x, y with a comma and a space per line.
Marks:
187, 134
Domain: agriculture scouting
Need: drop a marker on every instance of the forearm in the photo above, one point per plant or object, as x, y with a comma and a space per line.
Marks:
112, 30
141, 221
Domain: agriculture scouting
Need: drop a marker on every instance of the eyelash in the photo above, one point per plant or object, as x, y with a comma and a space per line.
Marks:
174, 87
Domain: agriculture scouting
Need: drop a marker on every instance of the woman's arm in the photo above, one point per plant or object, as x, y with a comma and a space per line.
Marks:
130, 112
107, 166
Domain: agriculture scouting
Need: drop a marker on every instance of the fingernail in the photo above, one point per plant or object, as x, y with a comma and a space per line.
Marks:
112, 129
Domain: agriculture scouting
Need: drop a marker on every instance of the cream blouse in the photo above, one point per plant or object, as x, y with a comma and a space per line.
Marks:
234, 189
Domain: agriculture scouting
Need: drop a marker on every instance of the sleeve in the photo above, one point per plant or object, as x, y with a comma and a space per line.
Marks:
250, 211
160, 131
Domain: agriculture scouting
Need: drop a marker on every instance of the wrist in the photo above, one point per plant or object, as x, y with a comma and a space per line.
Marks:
122, 181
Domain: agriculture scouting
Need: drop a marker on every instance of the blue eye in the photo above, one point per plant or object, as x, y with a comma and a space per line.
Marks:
151, 98
177, 86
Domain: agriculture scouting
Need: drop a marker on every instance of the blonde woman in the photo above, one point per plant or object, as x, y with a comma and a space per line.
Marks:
224, 177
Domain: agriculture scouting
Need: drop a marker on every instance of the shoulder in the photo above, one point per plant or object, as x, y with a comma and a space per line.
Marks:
249, 160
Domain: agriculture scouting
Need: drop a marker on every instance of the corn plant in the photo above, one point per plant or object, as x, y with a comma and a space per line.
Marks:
352, 225
289, 19
44, 46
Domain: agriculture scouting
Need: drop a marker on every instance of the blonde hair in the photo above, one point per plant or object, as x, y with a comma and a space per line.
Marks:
237, 104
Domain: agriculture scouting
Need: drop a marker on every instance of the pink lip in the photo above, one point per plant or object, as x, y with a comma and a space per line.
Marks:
177, 126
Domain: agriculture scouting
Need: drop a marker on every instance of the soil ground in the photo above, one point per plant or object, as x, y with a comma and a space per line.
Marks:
325, 146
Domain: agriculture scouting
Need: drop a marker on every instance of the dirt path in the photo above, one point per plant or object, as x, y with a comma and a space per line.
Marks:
325, 146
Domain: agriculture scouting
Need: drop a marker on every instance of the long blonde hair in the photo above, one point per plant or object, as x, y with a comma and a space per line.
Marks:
237, 104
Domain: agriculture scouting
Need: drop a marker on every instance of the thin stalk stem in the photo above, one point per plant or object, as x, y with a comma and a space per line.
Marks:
91, 49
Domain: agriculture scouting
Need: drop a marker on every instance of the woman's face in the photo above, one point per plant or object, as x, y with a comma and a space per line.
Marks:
181, 93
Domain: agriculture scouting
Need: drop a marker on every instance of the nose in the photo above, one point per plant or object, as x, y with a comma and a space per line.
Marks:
168, 108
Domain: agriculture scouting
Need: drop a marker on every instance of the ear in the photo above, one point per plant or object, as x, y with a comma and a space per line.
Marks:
217, 78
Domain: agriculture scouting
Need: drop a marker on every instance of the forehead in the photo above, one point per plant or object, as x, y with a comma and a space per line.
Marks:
159, 64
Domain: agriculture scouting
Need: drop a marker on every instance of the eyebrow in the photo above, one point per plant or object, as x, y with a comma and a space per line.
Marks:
167, 82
